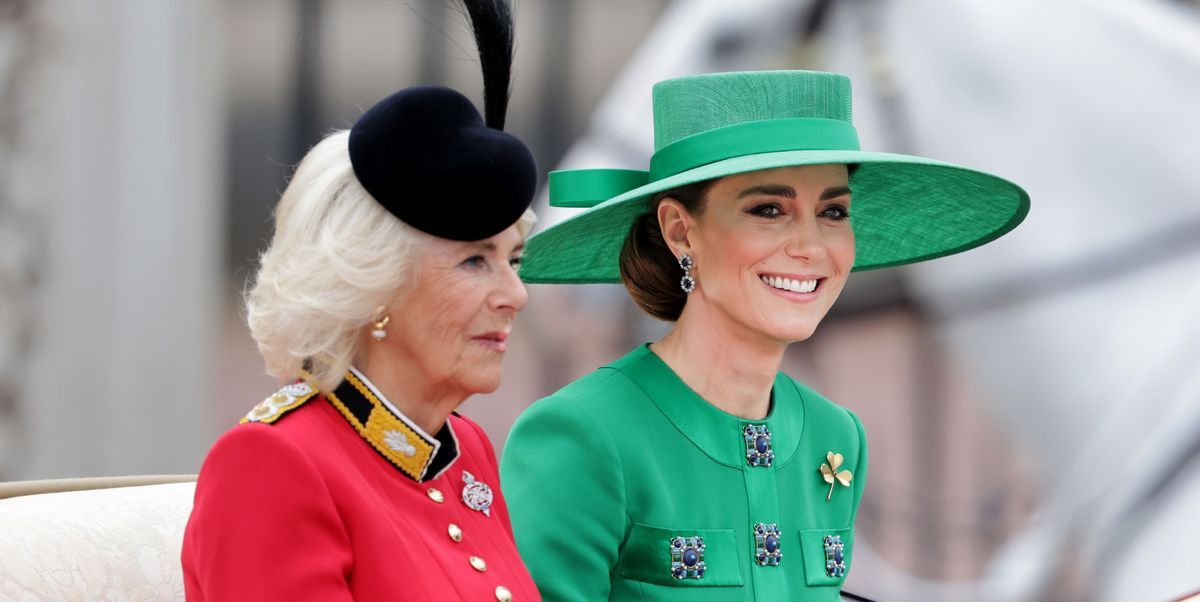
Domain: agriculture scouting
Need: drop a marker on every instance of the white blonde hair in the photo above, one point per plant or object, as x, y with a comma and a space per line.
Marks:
337, 256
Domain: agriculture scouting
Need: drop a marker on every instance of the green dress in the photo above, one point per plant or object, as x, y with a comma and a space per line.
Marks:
627, 485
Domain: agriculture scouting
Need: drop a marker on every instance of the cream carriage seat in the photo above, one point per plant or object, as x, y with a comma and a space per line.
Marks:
94, 539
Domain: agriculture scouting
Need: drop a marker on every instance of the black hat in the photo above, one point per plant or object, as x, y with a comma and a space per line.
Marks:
429, 158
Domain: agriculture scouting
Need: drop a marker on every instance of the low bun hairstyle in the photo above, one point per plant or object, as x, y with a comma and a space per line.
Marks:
649, 270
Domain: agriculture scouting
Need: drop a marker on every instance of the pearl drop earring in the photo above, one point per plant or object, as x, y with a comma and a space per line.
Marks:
379, 333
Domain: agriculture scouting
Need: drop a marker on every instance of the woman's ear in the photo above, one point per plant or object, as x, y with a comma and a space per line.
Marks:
676, 224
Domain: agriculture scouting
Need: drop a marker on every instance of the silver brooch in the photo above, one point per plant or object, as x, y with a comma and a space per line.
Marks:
476, 494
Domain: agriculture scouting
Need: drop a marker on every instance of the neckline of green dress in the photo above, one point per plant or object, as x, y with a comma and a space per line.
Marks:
717, 433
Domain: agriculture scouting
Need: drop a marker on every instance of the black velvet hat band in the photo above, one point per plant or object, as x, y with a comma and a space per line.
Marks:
426, 155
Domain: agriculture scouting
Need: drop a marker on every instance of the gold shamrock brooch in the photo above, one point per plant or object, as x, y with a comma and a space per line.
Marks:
829, 471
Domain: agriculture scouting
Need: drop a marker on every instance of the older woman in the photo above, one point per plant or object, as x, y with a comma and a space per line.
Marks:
691, 468
385, 299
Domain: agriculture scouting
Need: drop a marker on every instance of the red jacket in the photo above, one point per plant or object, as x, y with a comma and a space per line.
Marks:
307, 503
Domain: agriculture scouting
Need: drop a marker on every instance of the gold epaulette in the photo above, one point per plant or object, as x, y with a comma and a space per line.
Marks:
283, 401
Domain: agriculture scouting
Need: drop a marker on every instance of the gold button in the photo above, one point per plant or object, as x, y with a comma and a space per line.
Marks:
478, 563
503, 595
436, 495
455, 532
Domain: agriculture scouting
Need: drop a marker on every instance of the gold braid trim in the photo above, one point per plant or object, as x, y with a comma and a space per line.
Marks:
395, 440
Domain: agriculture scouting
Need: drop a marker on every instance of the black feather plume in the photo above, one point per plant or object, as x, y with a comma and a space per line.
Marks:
492, 23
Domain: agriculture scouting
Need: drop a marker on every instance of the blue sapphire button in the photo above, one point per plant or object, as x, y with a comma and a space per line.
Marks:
758, 445
766, 544
835, 564
687, 557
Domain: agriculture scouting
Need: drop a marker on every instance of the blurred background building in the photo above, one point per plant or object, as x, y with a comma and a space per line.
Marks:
1033, 406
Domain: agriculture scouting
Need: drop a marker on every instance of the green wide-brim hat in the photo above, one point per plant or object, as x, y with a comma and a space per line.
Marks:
906, 209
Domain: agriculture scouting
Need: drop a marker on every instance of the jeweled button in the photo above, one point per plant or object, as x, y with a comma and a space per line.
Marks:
478, 564
436, 495
758, 445
766, 544
455, 532
502, 594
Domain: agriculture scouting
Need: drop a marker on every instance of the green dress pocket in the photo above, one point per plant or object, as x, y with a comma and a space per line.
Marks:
649, 557
827, 555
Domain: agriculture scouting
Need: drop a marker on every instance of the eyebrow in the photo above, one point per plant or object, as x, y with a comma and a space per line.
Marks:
769, 190
789, 192
489, 246
833, 193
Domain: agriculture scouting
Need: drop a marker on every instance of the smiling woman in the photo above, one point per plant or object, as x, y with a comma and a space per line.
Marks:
692, 468
759, 240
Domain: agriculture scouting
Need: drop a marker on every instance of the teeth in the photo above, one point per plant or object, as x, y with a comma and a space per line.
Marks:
787, 284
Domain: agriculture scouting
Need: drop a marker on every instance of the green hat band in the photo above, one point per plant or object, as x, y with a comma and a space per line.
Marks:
588, 187
752, 138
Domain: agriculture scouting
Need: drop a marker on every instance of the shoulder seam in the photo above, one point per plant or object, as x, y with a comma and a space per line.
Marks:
559, 393
611, 443
601, 429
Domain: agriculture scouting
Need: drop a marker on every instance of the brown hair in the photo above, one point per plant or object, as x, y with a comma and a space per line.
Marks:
649, 269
